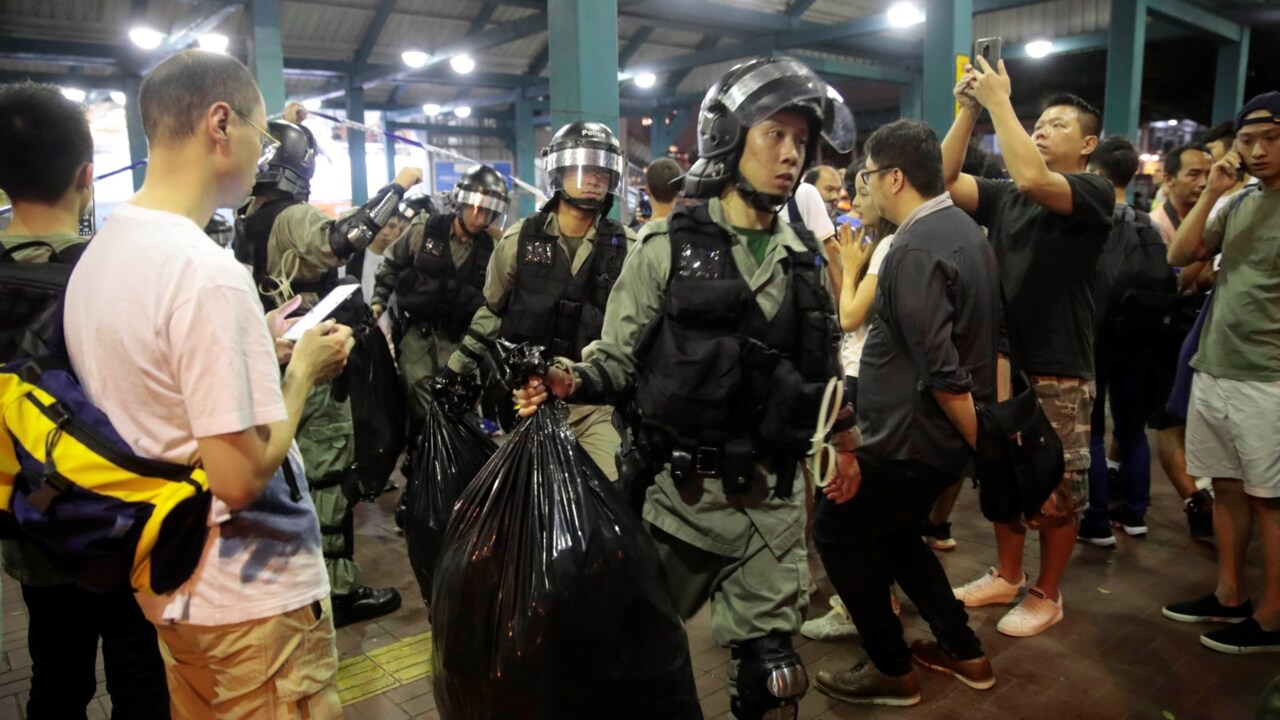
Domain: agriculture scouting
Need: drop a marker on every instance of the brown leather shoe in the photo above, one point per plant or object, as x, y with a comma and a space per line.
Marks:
863, 683
975, 673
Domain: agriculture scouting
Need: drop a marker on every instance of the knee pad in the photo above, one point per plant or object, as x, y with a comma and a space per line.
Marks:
771, 679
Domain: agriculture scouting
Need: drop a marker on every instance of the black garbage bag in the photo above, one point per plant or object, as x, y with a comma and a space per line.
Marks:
452, 451
550, 601
378, 409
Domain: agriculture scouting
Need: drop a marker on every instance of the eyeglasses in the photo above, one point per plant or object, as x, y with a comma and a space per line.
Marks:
866, 174
268, 141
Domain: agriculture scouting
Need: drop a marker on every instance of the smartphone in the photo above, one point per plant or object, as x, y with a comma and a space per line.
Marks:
988, 48
321, 311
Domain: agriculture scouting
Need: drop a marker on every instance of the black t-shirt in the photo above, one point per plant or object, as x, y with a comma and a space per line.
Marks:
1048, 265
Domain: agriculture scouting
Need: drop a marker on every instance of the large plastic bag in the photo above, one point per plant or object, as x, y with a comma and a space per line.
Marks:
378, 409
550, 601
452, 451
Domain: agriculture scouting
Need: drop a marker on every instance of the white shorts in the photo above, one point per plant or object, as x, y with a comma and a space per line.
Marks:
1233, 431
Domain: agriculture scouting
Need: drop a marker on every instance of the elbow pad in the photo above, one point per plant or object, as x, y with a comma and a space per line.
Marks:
354, 232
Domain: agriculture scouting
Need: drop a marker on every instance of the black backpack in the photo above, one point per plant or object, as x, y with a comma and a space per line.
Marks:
29, 294
1137, 291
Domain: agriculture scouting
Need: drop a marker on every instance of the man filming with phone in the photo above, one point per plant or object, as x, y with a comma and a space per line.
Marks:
1047, 226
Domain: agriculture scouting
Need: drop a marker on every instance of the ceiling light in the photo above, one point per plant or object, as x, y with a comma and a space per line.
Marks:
646, 121
414, 58
312, 104
905, 14
462, 64
117, 97
462, 111
1039, 48
146, 38
431, 109
73, 94
646, 80
213, 42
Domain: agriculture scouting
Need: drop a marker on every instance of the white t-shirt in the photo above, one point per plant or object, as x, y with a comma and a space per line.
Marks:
851, 349
813, 212
369, 272
166, 333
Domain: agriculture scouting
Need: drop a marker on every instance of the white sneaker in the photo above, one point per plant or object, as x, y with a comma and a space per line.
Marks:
1035, 614
990, 589
835, 625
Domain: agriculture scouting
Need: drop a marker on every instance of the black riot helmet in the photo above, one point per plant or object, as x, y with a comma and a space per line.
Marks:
289, 169
577, 151
220, 231
481, 197
747, 95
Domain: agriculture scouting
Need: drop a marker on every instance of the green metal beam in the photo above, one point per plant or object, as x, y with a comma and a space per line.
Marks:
355, 147
266, 53
584, 68
441, 129
373, 31
1128, 36
493, 37
634, 44
1228, 87
948, 34
910, 99
858, 70
1156, 31
798, 8
133, 126
1196, 18
525, 153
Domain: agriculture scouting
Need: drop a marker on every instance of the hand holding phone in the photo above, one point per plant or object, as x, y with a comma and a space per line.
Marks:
988, 49
321, 311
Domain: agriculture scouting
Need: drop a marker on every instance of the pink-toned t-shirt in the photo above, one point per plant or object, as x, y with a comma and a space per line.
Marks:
166, 334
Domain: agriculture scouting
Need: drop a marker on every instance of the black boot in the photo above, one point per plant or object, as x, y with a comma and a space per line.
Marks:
365, 603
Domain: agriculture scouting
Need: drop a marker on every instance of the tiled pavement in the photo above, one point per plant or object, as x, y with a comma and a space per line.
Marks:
1113, 656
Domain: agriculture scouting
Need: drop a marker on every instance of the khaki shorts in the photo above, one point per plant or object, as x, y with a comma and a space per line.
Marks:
278, 668
1067, 403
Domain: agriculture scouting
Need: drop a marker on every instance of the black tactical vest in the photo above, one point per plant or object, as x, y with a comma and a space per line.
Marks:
435, 293
713, 368
253, 233
549, 305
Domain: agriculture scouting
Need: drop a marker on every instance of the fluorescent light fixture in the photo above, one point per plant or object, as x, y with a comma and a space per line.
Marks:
645, 80
1039, 48
462, 64
905, 14
462, 111
312, 104
146, 38
414, 58
213, 42
646, 121
431, 109
1172, 123
117, 97
73, 94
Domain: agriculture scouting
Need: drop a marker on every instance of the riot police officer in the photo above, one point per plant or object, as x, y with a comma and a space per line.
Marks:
294, 248
551, 274
436, 270
722, 324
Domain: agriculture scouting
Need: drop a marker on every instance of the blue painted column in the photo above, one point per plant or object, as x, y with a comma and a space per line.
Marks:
133, 126
948, 34
1125, 50
584, 61
526, 155
659, 134
389, 148
1228, 87
355, 146
266, 53
911, 98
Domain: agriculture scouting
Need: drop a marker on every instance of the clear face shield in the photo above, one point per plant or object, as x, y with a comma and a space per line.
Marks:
789, 83
584, 173
481, 210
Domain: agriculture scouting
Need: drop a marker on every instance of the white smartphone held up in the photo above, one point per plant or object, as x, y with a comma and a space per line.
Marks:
321, 311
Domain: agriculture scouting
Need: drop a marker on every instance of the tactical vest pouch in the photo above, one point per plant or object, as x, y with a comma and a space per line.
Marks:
710, 302
680, 359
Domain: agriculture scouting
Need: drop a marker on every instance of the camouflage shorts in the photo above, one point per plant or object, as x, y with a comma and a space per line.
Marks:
1067, 403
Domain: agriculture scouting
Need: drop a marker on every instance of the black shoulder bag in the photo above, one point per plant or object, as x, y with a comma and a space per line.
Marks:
1019, 455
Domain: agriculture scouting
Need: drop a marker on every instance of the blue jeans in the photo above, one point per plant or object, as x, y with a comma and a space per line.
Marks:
1123, 377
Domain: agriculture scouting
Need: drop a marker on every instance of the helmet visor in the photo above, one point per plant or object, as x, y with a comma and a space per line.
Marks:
790, 83
584, 170
480, 208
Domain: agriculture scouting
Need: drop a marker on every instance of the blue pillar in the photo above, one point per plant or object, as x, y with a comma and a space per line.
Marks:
948, 34
355, 146
911, 97
1127, 36
584, 61
1228, 88
659, 134
133, 125
526, 154
266, 53
389, 147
